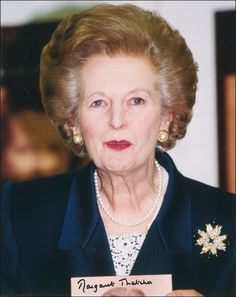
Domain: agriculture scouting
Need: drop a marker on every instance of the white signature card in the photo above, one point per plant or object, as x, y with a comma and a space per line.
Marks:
132, 285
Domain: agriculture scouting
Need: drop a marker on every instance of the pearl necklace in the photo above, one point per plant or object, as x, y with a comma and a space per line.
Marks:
117, 221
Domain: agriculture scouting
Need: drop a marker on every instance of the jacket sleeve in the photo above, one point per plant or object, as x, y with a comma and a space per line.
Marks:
9, 286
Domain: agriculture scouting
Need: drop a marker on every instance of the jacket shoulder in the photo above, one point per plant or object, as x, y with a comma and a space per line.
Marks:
210, 201
34, 210
211, 205
41, 187
204, 193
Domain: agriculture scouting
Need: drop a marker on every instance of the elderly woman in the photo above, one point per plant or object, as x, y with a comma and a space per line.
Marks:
119, 84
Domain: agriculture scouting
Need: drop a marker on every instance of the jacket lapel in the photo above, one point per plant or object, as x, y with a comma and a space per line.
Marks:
83, 242
174, 219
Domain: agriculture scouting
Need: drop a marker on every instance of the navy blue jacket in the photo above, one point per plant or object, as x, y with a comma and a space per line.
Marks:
52, 230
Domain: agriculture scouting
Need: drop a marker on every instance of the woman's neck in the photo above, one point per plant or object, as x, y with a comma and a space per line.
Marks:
129, 190
128, 203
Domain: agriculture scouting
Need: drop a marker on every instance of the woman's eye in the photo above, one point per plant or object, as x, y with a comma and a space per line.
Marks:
98, 103
137, 101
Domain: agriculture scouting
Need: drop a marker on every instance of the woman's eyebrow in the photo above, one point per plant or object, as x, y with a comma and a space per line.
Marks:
97, 93
139, 90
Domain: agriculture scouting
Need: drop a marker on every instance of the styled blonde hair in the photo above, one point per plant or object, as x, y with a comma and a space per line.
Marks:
112, 30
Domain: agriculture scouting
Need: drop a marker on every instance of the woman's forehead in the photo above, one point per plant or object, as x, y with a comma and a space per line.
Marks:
118, 73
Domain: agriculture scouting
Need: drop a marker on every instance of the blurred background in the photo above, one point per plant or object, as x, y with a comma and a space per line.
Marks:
30, 147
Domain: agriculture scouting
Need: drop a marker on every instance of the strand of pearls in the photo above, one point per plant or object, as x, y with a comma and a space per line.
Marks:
117, 221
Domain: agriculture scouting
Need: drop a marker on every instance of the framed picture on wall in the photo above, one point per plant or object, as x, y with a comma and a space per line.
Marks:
225, 56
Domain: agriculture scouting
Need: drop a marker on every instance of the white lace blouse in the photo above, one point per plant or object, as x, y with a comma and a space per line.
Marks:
124, 251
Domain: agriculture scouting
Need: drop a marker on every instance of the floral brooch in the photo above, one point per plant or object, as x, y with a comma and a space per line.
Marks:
211, 240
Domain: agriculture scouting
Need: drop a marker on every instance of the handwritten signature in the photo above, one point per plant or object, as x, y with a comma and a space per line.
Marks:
84, 286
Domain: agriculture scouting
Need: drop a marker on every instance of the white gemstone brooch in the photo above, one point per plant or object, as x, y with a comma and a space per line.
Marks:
211, 240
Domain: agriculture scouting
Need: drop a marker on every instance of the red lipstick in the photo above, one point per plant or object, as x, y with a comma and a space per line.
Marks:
118, 145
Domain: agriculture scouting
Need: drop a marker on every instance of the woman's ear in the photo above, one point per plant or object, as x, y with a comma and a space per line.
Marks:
166, 121
75, 129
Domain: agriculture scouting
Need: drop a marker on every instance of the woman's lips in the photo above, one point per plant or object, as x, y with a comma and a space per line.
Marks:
118, 145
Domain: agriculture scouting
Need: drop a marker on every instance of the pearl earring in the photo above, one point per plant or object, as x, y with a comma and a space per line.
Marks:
78, 139
162, 136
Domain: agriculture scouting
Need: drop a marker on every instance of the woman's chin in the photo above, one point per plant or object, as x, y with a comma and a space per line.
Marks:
117, 166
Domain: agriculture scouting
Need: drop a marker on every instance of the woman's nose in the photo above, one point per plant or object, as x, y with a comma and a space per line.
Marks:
117, 118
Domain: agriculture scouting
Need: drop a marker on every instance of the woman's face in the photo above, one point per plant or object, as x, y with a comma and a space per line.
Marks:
120, 114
